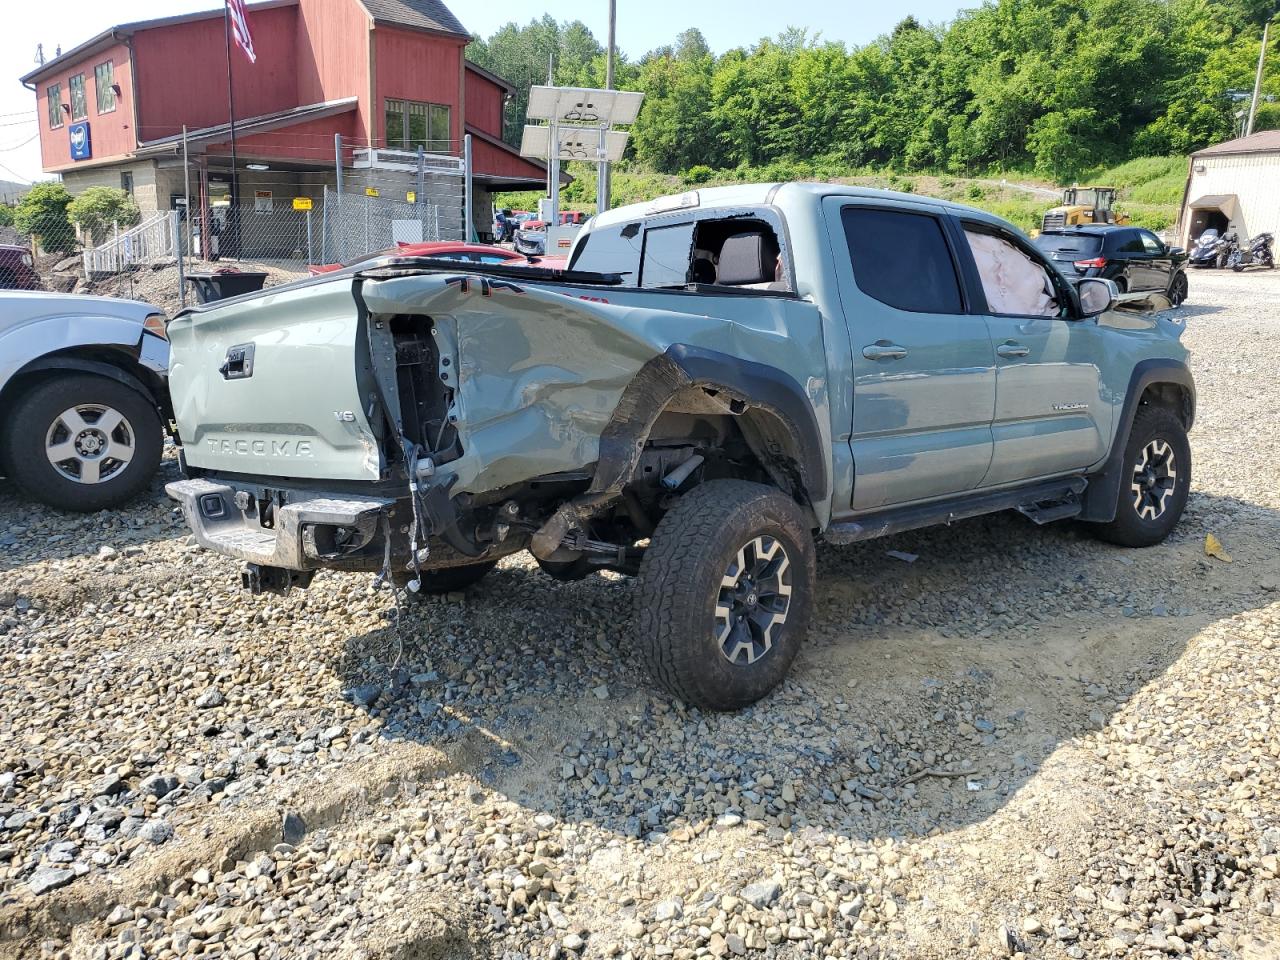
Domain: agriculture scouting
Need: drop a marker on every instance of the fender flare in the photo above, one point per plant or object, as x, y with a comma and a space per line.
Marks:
681, 366
769, 389
1101, 496
98, 367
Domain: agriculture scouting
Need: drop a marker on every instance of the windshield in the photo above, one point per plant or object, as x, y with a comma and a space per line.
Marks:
1069, 246
1210, 234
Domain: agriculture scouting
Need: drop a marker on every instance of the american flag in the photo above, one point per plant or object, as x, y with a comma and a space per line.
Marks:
240, 28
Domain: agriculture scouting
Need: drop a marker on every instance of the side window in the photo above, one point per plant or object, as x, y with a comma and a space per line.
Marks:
1150, 242
1015, 283
1130, 242
667, 251
902, 259
611, 249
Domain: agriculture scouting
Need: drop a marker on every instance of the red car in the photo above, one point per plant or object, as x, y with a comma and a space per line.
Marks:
450, 249
17, 270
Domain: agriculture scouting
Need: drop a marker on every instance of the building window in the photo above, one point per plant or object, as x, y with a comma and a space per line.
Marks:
411, 124
104, 75
126, 181
55, 106
79, 103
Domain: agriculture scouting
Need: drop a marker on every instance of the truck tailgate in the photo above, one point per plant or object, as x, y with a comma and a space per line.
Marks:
270, 385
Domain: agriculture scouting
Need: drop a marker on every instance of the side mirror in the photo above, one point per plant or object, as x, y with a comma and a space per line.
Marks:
1096, 295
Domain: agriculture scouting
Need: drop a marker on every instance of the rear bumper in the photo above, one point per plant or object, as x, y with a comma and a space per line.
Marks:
309, 532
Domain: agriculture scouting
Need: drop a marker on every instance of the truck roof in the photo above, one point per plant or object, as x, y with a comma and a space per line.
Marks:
760, 194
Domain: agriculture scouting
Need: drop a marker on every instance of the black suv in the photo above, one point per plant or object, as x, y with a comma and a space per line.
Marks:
1134, 258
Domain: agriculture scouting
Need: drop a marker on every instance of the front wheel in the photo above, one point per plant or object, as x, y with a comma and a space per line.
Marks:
1178, 290
82, 442
725, 593
1156, 481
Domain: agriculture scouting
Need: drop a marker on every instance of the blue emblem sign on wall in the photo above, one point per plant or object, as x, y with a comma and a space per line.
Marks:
81, 148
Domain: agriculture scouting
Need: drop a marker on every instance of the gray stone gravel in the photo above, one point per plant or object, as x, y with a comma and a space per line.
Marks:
1023, 742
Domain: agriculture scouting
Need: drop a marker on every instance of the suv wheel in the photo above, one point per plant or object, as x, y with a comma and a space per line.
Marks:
449, 579
83, 442
1157, 479
725, 593
1178, 290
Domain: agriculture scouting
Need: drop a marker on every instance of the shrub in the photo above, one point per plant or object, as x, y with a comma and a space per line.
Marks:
99, 209
43, 214
699, 173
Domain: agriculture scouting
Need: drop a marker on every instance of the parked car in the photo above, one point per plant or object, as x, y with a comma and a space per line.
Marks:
17, 269
719, 379
531, 236
82, 385
1136, 259
448, 249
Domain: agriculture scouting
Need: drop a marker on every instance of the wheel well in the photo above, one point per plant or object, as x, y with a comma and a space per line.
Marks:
764, 445
103, 359
1173, 397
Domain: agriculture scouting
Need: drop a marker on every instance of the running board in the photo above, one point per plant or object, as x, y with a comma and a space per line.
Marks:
1042, 503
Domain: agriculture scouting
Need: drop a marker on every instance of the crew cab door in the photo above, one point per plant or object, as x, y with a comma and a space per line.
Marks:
923, 366
1050, 414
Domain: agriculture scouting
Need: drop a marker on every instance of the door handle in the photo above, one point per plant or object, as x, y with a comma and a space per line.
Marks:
883, 350
1012, 349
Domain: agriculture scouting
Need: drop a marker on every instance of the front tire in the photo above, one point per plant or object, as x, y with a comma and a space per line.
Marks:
1178, 290
1155, 483
83, 442
725, 593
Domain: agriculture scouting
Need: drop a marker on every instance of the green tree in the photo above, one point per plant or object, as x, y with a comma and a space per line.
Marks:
99, 209
43, 214
6, 215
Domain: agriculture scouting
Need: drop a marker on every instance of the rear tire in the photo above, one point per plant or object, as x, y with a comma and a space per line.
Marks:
59, 443
1155, 482
451, 579
725, 592
1178, 289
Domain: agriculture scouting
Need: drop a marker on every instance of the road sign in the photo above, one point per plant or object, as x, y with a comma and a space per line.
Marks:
302, 203
411, 196
370, 191
575, 143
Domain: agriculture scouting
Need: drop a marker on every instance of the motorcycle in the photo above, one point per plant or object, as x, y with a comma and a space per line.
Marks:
1256, 252
1212, 249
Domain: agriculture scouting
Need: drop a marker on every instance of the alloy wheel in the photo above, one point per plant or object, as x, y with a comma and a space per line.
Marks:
89, 443
754, 599
1154, 477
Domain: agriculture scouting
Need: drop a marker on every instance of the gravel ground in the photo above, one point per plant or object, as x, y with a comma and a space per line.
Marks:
1023, 742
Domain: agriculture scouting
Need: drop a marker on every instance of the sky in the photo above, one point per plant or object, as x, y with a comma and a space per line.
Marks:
642, 25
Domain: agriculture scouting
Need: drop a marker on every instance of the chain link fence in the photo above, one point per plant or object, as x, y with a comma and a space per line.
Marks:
261, 233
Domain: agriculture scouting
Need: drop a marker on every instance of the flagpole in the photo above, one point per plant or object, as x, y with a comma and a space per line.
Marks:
234, 210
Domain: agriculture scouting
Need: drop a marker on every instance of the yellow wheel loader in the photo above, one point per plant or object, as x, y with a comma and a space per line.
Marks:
1084, 205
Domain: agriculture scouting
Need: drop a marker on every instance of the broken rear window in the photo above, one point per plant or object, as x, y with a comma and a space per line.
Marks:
666, 255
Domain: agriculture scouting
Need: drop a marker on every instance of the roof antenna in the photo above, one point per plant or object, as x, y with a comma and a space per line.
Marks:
40, 54
57, 51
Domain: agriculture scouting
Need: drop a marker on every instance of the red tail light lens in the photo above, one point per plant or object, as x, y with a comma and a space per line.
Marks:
1095, 262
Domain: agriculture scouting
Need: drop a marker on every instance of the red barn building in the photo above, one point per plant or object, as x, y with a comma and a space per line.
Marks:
389, 76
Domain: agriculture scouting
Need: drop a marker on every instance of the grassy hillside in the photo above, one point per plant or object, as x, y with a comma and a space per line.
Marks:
1150, 187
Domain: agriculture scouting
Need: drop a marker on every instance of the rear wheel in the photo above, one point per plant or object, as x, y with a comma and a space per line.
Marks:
83, 442
1178, 289
1156, 481
725, 592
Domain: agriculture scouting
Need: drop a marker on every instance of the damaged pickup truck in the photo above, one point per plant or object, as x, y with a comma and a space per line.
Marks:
717, 380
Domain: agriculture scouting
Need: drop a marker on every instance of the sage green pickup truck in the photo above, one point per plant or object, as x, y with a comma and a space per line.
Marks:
715, 381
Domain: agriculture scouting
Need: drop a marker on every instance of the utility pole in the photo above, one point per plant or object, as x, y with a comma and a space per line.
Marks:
604, 189
1257, 80
233, 211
